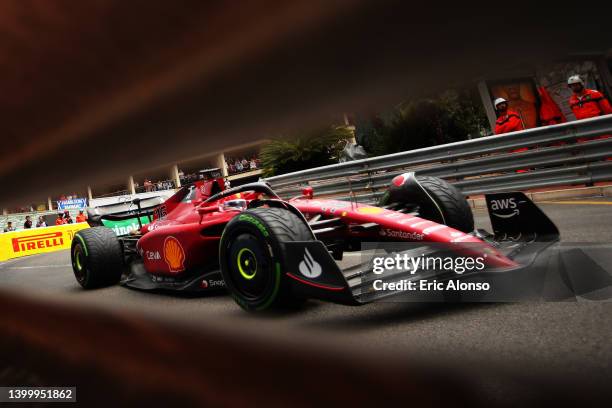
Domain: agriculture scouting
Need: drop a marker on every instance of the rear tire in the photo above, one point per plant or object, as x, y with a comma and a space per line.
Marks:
251, 258
97, 257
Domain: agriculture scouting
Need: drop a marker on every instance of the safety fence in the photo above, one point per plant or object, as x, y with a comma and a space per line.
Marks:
571, 153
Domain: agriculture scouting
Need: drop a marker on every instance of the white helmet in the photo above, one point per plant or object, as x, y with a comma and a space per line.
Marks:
575, 79
498, 101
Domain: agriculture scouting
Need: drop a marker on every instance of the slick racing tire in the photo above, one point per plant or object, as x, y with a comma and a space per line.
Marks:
251, 258
97, 257
449, 206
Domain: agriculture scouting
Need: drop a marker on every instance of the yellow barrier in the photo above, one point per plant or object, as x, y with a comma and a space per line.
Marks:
37, 240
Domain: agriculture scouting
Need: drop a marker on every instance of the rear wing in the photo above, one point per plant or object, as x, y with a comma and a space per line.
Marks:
126, 216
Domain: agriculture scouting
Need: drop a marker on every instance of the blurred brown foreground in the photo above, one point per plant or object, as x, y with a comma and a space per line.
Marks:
126, 359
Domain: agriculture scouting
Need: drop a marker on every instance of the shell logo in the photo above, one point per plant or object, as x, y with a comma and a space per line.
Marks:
174, 255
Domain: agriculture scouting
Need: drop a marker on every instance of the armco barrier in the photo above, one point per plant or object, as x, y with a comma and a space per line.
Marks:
16, 244
475, 166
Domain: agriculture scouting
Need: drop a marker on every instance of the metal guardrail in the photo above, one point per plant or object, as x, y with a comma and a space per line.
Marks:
476, 166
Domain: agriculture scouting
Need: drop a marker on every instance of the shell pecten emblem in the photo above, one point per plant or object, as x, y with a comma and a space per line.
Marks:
174, 255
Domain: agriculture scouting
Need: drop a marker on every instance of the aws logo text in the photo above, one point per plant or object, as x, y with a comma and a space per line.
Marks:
508, 205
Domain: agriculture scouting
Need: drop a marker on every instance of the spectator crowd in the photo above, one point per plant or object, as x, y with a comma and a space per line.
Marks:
62, 218
148, 185
188, 178
241, 165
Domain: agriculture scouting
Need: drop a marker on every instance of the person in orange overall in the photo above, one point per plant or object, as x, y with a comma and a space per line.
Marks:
60, 219
508, 121
81, 217
587, 103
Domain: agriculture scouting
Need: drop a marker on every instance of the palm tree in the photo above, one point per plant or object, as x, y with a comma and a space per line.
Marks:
304, 150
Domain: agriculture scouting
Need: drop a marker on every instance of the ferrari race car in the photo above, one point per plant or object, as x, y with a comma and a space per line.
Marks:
269, 252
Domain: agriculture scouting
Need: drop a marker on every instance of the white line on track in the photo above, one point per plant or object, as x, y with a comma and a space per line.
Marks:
38, 266
4, 264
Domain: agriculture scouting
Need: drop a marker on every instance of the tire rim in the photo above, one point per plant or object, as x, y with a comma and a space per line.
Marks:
250, 270
247, 263
78, 263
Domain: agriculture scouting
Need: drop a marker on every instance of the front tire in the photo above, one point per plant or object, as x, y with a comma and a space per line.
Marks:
251, 258
456, 209
97, 257
445, 204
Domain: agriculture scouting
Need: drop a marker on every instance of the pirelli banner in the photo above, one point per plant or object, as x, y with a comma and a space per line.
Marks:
37, 240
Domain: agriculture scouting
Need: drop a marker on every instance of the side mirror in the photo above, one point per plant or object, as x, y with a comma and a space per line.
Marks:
208, 209
308, 192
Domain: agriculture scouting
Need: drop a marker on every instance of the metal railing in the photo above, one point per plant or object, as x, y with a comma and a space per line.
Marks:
477, 166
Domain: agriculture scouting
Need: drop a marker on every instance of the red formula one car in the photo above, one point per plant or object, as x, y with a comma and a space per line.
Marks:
269, 252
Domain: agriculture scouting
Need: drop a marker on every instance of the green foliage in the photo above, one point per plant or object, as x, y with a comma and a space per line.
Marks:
465, 108
315, 148
449, 117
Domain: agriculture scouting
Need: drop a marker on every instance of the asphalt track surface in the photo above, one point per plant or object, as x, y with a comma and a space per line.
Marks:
571, 339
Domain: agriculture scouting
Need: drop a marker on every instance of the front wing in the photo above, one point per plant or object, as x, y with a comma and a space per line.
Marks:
314, 273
